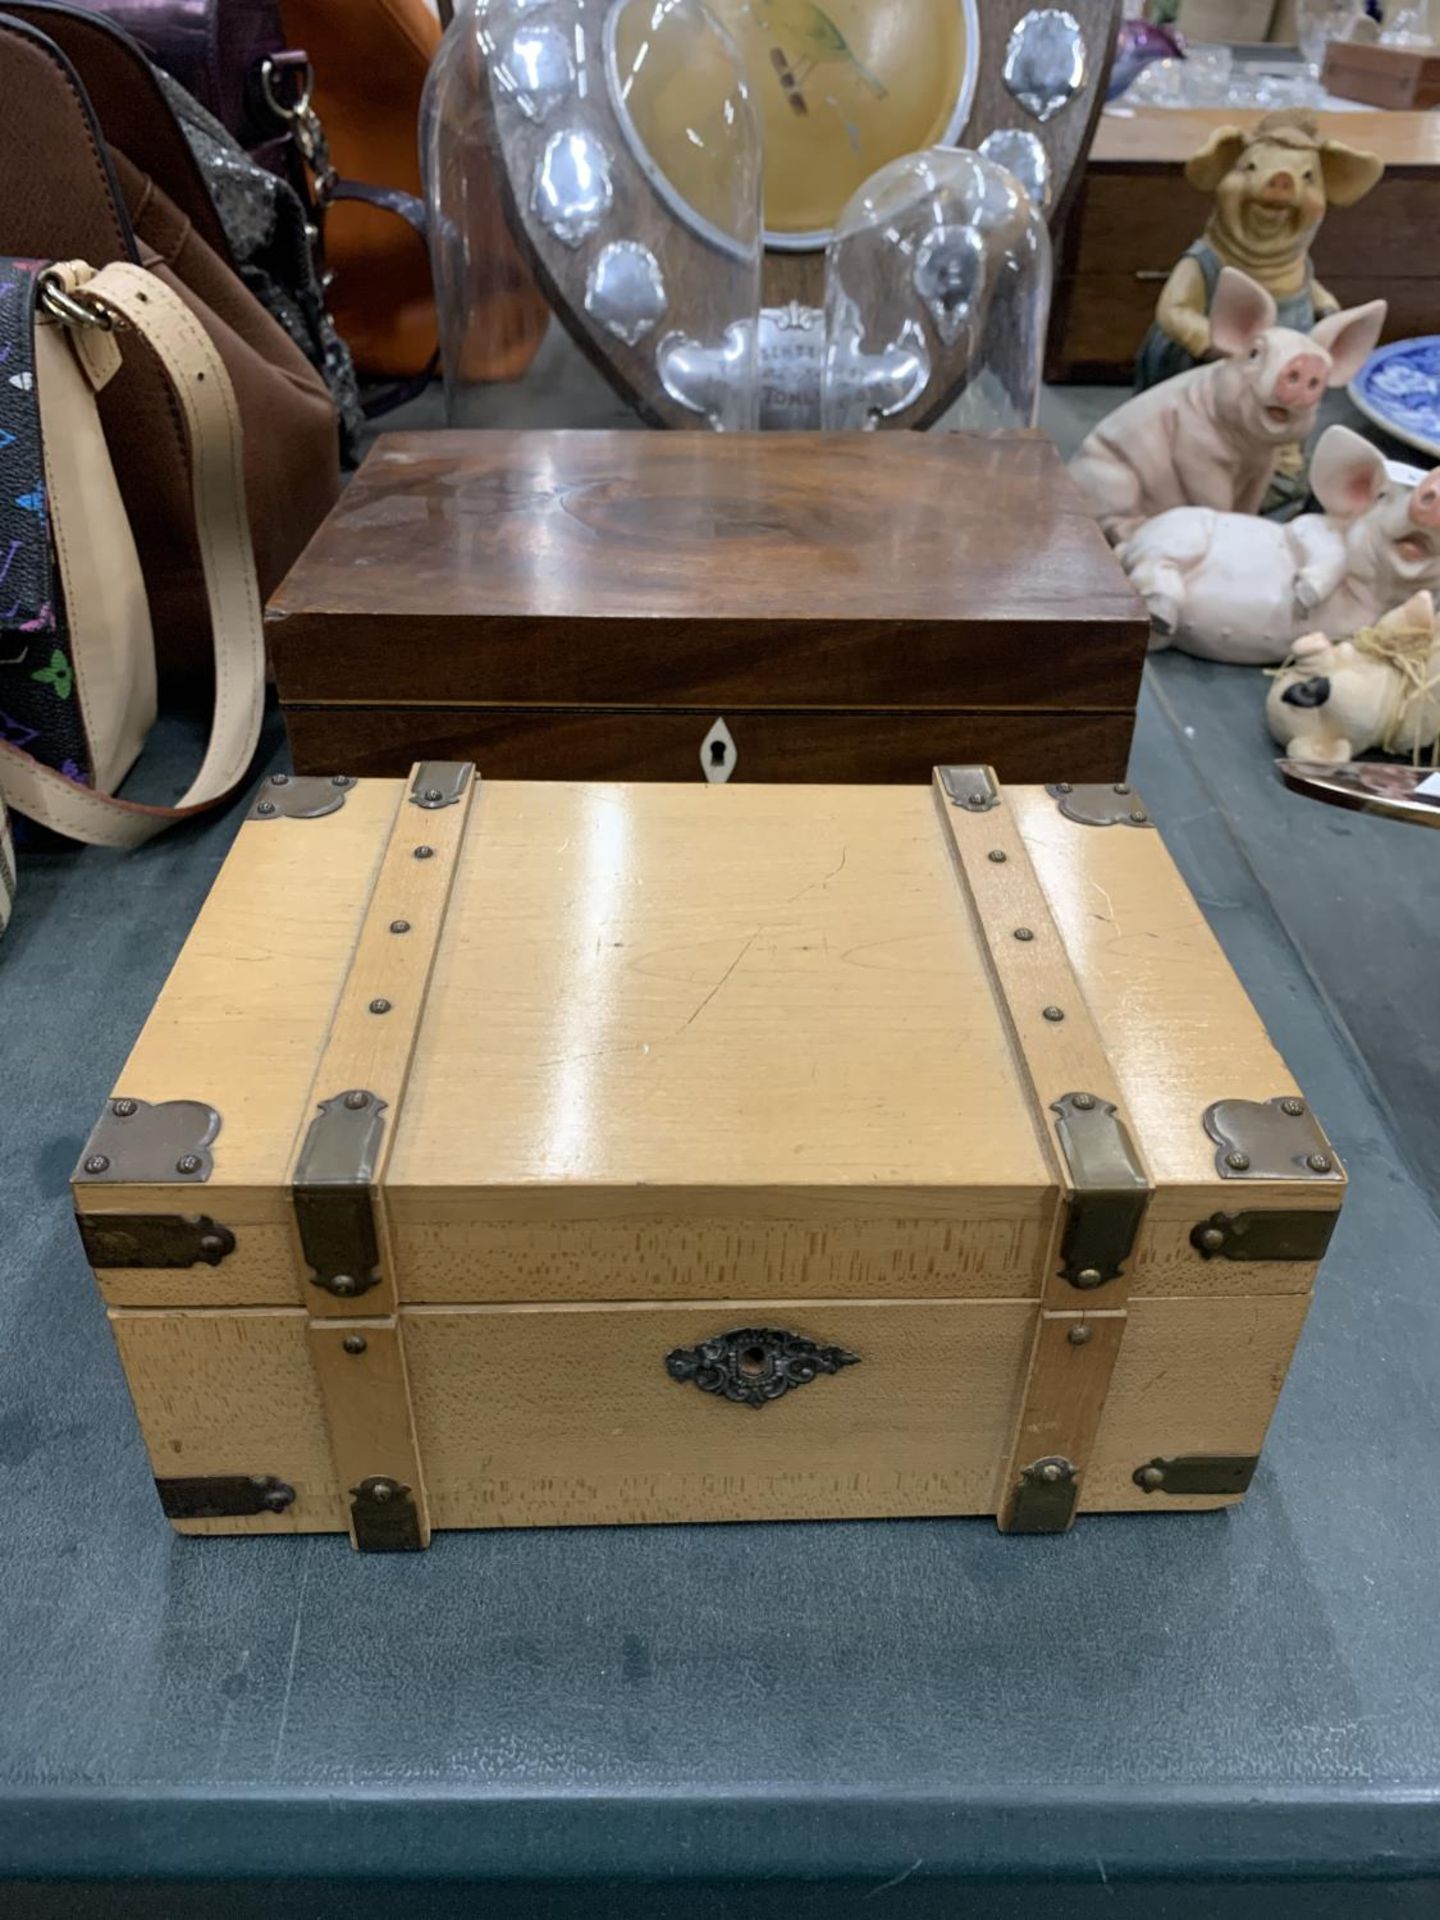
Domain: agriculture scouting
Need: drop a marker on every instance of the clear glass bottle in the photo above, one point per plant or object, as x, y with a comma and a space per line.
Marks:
937, 298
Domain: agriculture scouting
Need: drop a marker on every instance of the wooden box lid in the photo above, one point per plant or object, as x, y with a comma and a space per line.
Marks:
765, 570
581, 1042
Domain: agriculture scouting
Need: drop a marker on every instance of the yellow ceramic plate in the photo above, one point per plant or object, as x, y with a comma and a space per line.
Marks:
841, 89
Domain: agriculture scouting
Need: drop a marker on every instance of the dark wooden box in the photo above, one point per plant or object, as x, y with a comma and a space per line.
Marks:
588, 605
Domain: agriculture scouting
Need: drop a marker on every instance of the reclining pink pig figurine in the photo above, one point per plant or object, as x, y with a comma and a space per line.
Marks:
1213, 437
1228, 586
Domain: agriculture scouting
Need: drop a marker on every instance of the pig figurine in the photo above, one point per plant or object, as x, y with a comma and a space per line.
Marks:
1211, 437
1272, 186
1230, 587
1381, 689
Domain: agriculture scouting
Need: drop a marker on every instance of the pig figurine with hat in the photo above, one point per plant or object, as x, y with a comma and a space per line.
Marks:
1335, 699
1211, 437
1272, 186
1229, 586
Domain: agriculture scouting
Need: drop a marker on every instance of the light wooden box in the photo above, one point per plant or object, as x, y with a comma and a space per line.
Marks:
520, 1155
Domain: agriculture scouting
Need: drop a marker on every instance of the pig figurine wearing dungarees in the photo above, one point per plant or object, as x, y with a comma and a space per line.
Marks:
1272, 186
1211, 437
1229, 586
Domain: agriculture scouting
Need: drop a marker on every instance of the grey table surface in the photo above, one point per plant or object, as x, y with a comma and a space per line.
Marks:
1172, 1716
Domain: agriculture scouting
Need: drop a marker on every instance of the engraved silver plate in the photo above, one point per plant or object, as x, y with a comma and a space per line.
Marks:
626, 290
869, 387
702, 377
537, 72
949, 276
1023, 154
791, 345
1045, 62
573, 190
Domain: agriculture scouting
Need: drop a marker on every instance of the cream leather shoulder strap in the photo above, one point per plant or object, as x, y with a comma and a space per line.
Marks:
136, 300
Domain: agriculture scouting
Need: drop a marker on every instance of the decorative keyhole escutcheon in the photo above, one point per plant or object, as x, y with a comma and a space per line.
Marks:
718, 754
752, 1366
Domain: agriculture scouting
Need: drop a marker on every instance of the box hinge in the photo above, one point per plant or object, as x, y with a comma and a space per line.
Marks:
1264, 1236
1205, 1473
301, 796
153, 1239
150, 1144
1109, 1190
1101, 806
384, 1517
1044, 1500
440, 783
1277, 1139
972, 788
224, 1496
334, 1208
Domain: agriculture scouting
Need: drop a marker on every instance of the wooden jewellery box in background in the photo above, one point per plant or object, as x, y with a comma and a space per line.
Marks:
555, 1154
1135, 214
648, 606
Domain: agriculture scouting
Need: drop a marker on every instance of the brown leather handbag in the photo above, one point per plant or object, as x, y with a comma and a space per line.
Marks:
94, 166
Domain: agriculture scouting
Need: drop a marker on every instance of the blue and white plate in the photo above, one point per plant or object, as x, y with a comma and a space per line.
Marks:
1399, 389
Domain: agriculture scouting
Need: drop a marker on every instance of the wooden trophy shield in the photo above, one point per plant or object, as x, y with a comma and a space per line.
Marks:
622, 193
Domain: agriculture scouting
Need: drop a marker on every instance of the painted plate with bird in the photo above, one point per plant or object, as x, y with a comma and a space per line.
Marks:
841, 89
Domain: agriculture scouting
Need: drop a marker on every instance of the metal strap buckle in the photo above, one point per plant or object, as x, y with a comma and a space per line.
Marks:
300, 116
69, 309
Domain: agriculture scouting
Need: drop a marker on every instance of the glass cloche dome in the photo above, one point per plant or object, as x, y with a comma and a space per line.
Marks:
937, 297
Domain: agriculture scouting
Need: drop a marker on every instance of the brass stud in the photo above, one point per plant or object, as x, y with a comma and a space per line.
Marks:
341, 780
356, 1100
1319, 1163
122, 1109
1089, 1277
1237, 1162
424, 853
976, 800
279, 779
1085, 1102
1120, 787
265, 807
1023, 933
1140, 817
1054, 1013
1213, 1240
354, 1343
379, 1006
211, 1243
343, 1285
1293, 1107
1080, 1336
399, 926
1064, 786
998, 855
382, 1491
1151, 1478
1050, 1472
188, 1163
97, 1163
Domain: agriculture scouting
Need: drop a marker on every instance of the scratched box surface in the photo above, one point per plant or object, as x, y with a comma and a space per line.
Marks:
505, 1154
